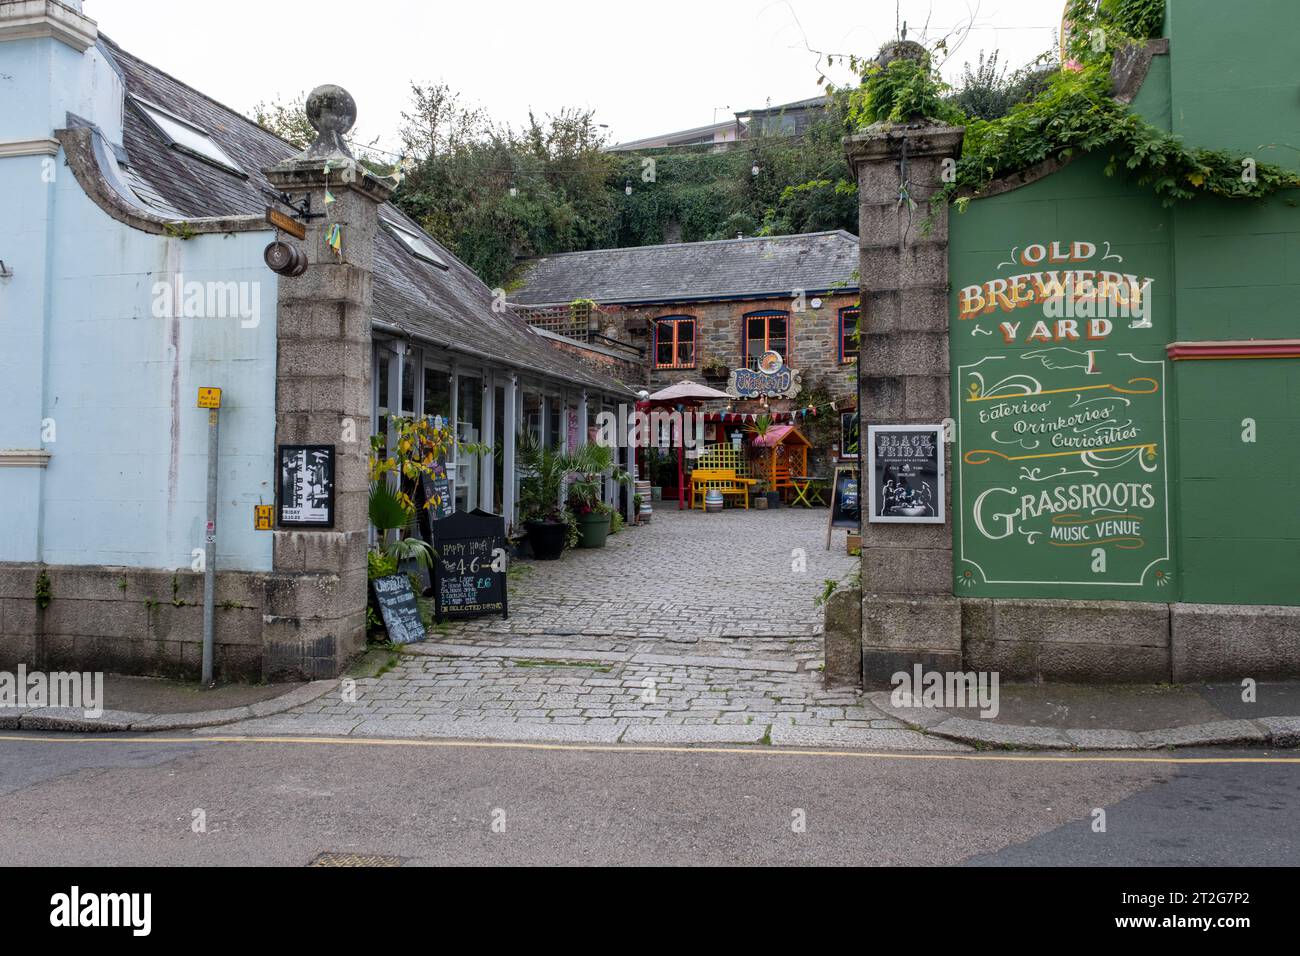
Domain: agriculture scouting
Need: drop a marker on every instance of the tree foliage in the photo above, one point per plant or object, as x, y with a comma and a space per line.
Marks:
286, 120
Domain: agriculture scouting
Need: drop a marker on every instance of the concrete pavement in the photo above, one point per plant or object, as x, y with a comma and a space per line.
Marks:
112, 800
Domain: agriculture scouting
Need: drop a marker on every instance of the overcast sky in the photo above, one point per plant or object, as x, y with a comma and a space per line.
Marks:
645, 66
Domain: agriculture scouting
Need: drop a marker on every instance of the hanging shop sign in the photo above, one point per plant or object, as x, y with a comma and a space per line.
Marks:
772, 379
1061, 445
306, 490
905, 473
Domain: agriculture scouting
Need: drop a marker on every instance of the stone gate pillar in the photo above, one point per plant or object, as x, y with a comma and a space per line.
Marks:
909, 614
315, 612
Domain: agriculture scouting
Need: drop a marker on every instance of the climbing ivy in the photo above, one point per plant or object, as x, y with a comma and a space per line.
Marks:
1077, 113
1074, 111
904, 90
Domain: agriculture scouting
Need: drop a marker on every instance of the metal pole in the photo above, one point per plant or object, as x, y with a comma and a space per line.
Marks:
210, 549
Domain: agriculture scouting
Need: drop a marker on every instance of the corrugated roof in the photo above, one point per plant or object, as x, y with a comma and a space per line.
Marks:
725, 269
450, 306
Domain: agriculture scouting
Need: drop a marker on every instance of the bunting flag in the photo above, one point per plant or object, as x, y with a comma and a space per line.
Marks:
777, 418
334, 239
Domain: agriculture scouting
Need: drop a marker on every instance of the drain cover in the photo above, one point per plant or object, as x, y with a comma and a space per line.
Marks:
356, 859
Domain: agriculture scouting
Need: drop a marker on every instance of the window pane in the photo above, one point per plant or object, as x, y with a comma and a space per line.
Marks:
776, 334
848, 325
533, 415
408, 385
686, 342
437, 393
469, 429
554, 406
498, 448
182, 134
664, 351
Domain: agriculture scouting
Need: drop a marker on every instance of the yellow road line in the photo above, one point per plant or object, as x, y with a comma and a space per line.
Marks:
638, 748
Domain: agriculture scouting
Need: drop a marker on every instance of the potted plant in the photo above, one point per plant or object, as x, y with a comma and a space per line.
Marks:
543, 471
760, 498
715, 369
591, 463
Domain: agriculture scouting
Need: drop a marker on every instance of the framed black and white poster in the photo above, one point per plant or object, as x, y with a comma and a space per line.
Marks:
905, 473
306, 491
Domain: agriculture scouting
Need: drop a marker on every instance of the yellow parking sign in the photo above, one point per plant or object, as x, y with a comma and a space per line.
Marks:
209, 398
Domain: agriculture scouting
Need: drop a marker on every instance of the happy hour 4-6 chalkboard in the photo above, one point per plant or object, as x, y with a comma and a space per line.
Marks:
399, 609
469, 572
905, 473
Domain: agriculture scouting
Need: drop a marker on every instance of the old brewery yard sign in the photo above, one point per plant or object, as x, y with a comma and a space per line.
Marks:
1061, 445
772, 379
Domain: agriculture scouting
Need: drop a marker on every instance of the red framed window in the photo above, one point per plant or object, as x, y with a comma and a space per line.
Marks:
765, 331
675, 342
848, 334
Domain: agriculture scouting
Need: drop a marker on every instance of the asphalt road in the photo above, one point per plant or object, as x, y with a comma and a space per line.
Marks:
114, 800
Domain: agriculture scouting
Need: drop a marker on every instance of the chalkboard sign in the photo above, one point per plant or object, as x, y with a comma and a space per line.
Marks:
846, 501
436, 490
469, 571
433, 490
399, 609
905, 473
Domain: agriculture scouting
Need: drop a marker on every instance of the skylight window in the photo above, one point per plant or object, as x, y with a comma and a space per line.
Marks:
419, 246
184, 135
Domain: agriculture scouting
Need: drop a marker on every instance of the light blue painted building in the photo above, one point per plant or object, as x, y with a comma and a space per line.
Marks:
132, 230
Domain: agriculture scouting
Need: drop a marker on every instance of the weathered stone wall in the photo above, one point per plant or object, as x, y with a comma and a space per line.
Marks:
720, 333
315, 612
909, 614
628, 370
129, 621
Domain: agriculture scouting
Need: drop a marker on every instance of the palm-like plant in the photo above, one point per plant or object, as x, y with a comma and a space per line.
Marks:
543, 473
388, 512
590, 463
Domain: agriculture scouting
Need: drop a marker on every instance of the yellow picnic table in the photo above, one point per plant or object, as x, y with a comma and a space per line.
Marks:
807, 490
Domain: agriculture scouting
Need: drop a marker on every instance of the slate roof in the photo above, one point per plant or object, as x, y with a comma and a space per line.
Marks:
693, 271
452, 307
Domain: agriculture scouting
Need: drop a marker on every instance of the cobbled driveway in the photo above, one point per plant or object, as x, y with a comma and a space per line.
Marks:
694, 629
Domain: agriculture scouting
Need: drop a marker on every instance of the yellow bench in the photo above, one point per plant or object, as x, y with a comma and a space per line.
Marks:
725, 480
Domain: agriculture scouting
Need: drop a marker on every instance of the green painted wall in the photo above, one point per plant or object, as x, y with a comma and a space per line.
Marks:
1234, 76
1221, 271
1063, 446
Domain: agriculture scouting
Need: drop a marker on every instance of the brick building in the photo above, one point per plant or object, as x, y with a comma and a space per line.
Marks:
699, 310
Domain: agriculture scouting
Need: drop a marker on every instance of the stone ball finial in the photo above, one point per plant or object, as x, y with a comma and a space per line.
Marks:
901, 50
331, 108
331, 111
